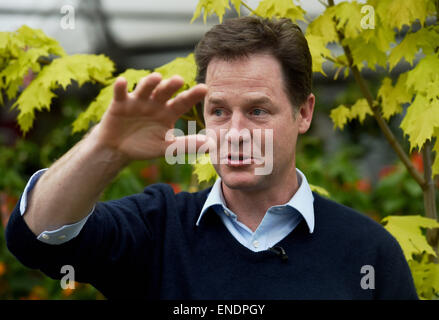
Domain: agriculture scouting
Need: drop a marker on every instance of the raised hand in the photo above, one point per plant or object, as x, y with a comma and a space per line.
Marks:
135, 124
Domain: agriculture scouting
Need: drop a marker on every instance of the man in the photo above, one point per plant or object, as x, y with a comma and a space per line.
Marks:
250, 236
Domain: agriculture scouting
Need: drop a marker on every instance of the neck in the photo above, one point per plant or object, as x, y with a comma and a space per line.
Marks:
251, 205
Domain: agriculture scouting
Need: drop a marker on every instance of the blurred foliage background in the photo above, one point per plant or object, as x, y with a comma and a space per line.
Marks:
356, 166
376, 189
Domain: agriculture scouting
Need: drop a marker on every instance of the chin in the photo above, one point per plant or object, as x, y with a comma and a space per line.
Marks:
240, 180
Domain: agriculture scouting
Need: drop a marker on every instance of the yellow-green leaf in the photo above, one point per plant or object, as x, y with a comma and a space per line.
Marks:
204, 169
407, 231
381, 36
426, 39
184, 67
348, 16
360, 110
392, 97
340, 116
396, 13
323, 26
36, 38
97, 108
210, 7
319, 190
421, 120
365, 53
426, 71
317, 47
60, 73
281, 9
237, 5
426, 278
17, 69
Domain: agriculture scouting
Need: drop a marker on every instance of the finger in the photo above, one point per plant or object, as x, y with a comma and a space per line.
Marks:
183, 102
147, 85
167, 88
120, 89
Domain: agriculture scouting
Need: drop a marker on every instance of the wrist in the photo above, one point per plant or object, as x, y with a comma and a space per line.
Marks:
106, 152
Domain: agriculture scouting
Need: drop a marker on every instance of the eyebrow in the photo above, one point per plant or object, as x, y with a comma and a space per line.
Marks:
216, 101
248, 101
259, 101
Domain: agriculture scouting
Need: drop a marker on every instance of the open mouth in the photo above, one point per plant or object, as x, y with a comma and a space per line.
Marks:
239, 160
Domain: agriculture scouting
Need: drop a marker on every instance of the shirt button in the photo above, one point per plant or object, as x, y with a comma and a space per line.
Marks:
256, 243
227, 214
45, 236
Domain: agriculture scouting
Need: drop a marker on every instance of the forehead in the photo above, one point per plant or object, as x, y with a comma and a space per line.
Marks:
255, 73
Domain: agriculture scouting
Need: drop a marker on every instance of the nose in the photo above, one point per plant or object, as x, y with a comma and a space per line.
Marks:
238, 132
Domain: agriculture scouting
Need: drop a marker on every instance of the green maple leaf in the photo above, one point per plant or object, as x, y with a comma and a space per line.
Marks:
210, 7
348, 16
363, 52
425, 39
38, 95
381, 36
426, 277
182, 66
97, 108
421, 120
20, 51
396, 14
426, 71
317, 47
204, 169
407, 231
393, 97
323, 26
17, 69
360, 110
422, 116
340, 116
36, 38
280, 9
237, 5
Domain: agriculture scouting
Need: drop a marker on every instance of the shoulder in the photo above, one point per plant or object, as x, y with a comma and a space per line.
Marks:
343, 221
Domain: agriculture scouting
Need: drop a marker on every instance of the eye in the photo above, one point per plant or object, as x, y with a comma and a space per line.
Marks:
258, 112
218, 112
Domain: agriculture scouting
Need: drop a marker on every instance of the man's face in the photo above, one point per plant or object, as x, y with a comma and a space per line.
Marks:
245, 95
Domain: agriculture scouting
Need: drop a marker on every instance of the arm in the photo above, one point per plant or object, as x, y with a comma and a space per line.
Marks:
133, 128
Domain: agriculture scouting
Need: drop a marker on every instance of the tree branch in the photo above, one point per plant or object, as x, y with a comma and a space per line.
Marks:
377, 114
250, 9
429, 192
429, 195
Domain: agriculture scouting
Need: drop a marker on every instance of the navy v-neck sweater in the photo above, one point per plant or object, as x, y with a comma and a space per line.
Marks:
148, 246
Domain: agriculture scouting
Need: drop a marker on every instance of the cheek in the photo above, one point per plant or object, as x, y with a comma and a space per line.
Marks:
285, 141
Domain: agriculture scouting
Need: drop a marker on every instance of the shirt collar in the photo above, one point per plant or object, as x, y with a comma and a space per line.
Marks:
302, 200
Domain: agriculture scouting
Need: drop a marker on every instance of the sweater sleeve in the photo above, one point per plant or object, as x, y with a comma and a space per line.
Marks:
115, 241
394, 278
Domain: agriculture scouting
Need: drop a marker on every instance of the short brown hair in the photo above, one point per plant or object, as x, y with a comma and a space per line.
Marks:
240, 37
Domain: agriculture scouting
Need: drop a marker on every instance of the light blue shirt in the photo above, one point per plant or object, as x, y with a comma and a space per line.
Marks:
278, 222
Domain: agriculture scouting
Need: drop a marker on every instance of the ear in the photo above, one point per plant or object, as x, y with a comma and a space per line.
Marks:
305, 113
